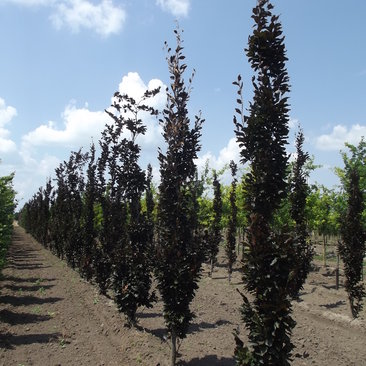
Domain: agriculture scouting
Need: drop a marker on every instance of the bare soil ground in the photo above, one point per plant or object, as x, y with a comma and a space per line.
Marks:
49, 316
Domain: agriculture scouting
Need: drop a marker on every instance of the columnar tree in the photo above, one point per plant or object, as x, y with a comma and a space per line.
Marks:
215, 227
231, 231
88, 215
65, 211
46, 212
74, 190
149, 195
35, 210
38, 209
298, 195
131, 270
114, 214
352, 244
270, 256
179, 241
150, 205
36, 215
60, 213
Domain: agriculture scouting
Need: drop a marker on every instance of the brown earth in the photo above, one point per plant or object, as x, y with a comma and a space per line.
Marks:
49, 316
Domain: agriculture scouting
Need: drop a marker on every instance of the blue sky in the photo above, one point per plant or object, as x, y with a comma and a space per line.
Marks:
62, 60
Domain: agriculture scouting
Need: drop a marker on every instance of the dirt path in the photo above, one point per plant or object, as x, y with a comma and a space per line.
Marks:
49, 316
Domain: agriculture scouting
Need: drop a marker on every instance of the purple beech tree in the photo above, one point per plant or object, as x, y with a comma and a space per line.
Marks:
271, 257
299, 191
88, 217
131, 239
179, 244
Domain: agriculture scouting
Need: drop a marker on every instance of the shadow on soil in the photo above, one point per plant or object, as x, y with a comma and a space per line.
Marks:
9, 341
162, 334
20, 257
332, 287
204, 325
27, 288
234, 283
27, 267
147, 315
334, 305
224, 265
27, 300
209, 360
12, 318
29, 279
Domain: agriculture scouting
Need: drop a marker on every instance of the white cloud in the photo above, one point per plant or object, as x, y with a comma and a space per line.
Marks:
6, 145
32, 175
340, 134
293, 123
104, 18
230, 152
134, 86
80, 125
30, 3
76, 128
176, 7
7, 113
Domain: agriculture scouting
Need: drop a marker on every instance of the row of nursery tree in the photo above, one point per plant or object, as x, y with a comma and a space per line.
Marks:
7, 207
103, 215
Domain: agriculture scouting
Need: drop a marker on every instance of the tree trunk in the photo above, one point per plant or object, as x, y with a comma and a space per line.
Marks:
337, 273
238, 242
242, 246
324, 250
173, 347
211, 267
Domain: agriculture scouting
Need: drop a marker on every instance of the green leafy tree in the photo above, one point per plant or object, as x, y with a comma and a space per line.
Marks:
353, 236
271, 262
230, 248
324, 208
205, 209
7, 207
355, 156
180, 249
241, 194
